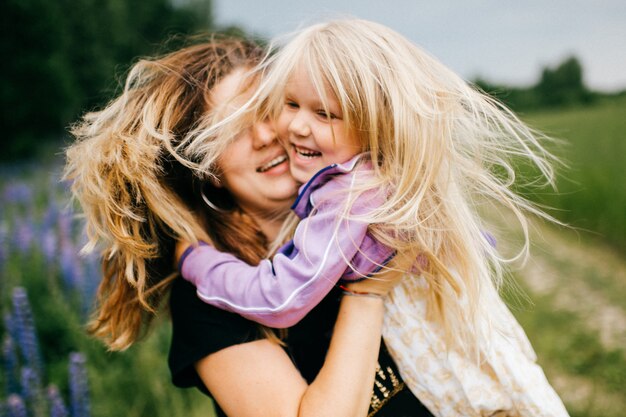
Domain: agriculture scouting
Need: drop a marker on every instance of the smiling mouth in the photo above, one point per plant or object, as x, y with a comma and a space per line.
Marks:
306, 152
271, 164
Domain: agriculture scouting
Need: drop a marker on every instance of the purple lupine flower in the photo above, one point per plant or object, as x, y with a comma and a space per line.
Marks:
4, 252
25, 329
49, 246
19, 193
79, 390
56, 186
10, 365
24, 234
91, 278
95, 268
51, 215
30, 384
16, 406
10, 326
32, 392
70, 264
57, 405
64, 222
65, 186
71, 268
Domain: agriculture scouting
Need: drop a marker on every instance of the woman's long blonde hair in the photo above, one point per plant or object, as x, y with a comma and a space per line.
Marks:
440, 147
138, 195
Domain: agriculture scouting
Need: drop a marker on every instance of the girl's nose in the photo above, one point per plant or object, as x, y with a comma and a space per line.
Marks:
299, 126
263, 134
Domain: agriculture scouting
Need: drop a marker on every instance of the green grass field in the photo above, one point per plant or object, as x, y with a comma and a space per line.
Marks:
592, 191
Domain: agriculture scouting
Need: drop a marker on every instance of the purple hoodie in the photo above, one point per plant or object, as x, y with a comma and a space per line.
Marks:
280, 292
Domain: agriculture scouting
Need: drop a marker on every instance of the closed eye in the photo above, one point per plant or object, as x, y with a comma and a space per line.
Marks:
325, 115
292, 104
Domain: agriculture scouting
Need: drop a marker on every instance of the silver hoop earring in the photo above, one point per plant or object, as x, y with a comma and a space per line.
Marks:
210, 204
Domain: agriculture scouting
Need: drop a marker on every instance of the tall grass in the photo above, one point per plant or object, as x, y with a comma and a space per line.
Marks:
592, 192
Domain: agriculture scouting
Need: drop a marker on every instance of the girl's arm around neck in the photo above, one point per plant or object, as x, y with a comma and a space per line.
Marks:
259, 379
279, 293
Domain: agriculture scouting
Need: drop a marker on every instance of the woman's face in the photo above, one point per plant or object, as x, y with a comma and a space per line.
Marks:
254, 167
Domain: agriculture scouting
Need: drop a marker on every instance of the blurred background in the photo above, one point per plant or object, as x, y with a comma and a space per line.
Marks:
561, 65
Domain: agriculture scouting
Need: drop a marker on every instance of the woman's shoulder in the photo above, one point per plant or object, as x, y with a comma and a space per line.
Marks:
190, 314
199, 330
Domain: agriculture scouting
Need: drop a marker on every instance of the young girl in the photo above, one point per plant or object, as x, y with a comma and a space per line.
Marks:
397, 153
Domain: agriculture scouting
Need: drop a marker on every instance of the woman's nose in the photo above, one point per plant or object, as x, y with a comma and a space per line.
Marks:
263, 133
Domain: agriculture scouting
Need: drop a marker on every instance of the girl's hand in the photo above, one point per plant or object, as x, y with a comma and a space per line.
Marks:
381, 283
181, 246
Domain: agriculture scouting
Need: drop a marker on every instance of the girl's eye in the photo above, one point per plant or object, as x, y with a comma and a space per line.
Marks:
291, 104
322, 113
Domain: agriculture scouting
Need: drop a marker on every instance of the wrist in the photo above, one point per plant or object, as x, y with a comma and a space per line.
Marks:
183, 250
346, 290
368, 311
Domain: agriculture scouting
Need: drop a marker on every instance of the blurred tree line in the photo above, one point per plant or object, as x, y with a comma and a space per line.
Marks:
60, 58
560, 86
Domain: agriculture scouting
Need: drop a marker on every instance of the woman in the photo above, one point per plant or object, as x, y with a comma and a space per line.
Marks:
139, 196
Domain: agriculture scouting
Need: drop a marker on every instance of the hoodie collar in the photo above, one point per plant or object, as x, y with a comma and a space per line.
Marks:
302, 206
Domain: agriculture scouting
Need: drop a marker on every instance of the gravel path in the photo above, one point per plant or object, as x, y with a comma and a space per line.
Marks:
574, 269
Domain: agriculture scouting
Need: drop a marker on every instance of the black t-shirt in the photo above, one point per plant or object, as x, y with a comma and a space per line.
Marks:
200, 330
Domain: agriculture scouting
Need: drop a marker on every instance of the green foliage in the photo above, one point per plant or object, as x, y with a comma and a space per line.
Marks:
60, 58
514, 97
561, 86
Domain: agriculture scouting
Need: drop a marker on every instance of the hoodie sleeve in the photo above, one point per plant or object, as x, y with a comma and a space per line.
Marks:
280, 292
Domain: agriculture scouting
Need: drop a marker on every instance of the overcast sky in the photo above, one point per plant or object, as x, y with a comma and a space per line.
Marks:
503, 41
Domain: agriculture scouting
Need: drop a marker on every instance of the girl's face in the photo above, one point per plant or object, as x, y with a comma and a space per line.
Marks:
254, 167
315, 138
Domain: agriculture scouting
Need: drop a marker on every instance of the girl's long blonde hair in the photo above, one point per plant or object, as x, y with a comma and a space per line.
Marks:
138, 196
440, 147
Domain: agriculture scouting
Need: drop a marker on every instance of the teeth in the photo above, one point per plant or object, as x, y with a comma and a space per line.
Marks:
271, 164
307, 153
